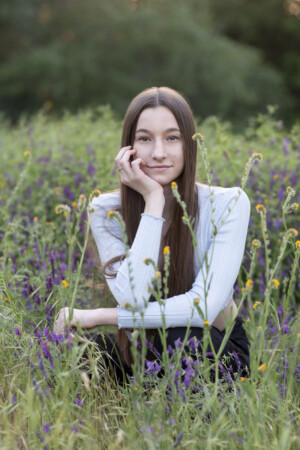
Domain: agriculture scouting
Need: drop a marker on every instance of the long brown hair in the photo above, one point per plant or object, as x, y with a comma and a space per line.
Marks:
178, 237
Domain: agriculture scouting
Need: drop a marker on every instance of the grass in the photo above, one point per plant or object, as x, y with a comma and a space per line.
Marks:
47, 400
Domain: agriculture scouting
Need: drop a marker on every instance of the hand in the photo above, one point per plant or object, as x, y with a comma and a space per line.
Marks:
63, 320
132, 175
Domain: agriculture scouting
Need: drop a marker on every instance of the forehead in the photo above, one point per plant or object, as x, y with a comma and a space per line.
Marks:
158, 118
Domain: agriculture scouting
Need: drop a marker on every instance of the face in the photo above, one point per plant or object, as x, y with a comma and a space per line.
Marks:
159, 143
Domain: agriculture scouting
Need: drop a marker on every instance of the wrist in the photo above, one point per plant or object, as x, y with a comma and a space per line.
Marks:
154, 204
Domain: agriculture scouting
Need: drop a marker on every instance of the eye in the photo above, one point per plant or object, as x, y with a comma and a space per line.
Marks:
143, 139
173, 138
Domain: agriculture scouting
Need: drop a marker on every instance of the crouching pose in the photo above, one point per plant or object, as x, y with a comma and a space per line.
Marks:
158, 149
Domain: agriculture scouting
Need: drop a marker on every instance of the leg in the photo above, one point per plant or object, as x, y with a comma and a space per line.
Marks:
110, 355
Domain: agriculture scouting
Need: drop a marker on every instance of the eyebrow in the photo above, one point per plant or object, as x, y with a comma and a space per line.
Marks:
144, 130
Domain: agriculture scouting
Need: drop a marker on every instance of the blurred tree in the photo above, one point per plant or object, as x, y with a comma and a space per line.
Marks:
273, 26
70, 54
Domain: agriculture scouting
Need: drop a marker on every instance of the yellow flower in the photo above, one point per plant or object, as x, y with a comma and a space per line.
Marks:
262, 368
183, 218
295, 206
297, 243
110, 213
206, 323
64, 283
173, 185
259, 326
27, 153
74, 204
135, 388
35, 219
256, 305
275, 283
157, 274
166, 250
248, 320
196, 300
194, 137
82, 198
243, 289
242, 379
57, 191
285, 179
259, 207
293, 231
266, 200
249, 283
125, 304
49, 223
256, 243
275, 177
258, 155
96, 192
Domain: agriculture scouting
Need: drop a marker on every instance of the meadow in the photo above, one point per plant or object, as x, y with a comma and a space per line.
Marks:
49, 399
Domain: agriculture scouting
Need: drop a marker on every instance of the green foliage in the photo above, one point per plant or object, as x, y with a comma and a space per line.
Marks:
53, 402
73, 54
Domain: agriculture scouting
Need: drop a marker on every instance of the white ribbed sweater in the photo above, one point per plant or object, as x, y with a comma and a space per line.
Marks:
225, 210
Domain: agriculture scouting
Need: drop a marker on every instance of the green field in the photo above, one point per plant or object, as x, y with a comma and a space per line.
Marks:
47, 399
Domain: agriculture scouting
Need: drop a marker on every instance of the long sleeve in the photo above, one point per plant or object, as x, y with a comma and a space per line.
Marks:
108, 238
223, 252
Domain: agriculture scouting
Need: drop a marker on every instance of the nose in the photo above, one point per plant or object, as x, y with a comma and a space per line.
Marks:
158, 151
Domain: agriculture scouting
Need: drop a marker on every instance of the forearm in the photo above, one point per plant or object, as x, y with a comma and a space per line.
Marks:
102, 316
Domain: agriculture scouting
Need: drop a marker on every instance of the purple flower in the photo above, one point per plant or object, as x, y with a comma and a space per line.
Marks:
78, 401
47, 353
74, 430
272, 141
91, 169
297, 370
172, 421
69, 193
193, 343
178, 343
78, 178
46, 428
152, 367
285, 146
17, 331
240, 440
178, 440
13, 399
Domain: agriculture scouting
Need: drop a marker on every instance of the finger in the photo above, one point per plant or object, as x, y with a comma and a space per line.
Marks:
125, 160
121, 152
137, 164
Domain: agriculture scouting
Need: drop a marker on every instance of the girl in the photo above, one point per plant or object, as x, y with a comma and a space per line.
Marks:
158, 149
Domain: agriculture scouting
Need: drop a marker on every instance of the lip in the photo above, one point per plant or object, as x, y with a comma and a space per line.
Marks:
159, 168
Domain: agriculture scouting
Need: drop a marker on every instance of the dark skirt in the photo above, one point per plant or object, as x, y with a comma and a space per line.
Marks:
235, 352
